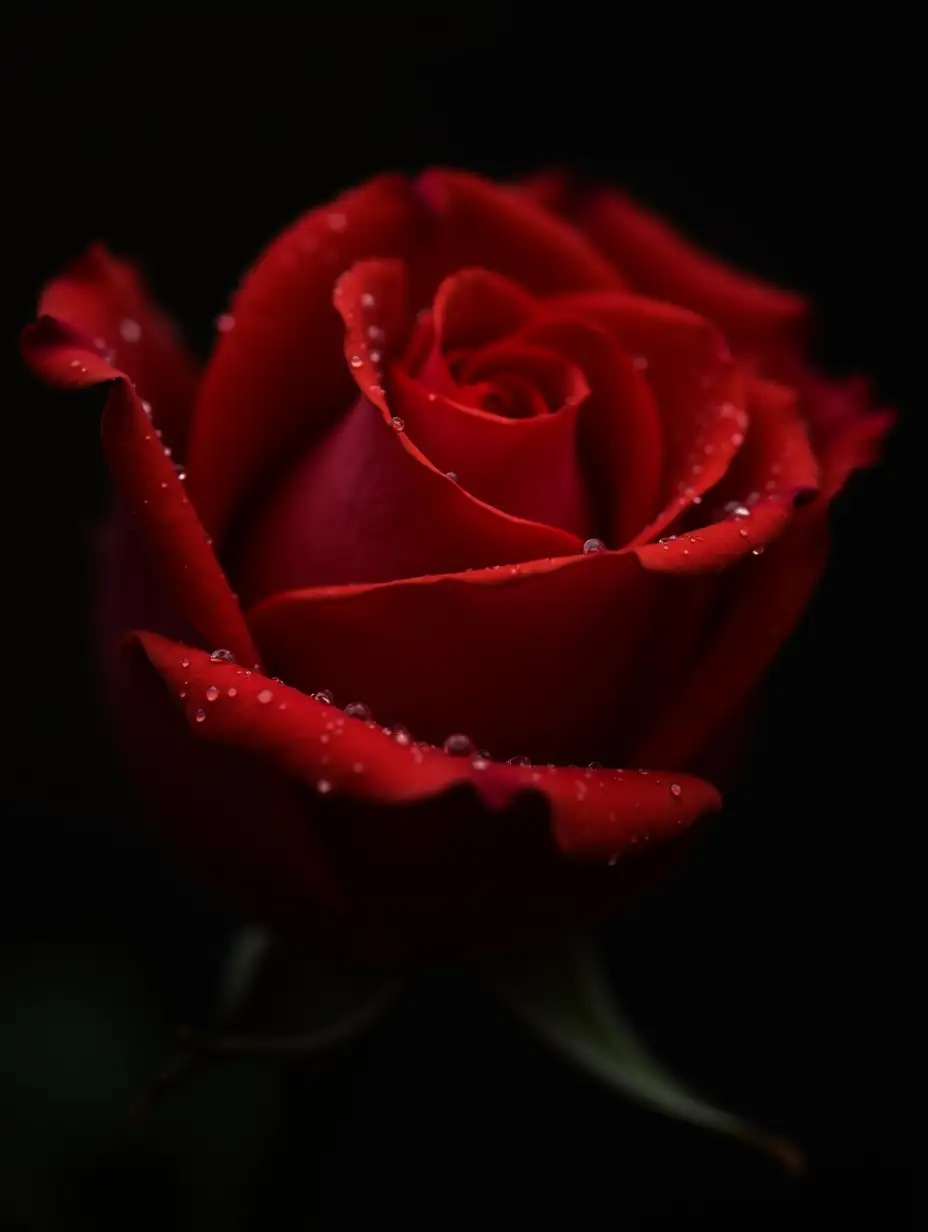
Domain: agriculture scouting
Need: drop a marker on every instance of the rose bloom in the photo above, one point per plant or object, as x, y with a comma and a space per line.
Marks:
433, 604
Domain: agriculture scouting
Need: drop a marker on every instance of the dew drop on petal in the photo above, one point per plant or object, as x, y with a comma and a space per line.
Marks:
185, 662
594, 545
452, 476
200, 716
398, 424
758, 551
129, 330
367, 299
233, 692
265, 696
358, 710
676, 789
520, 760
325, 696
401, 735
479, 763
459, 745
356, 361
323, 786
222, 656
212, 693
741, 511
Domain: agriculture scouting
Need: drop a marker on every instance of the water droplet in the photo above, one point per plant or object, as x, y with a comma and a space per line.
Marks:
520, 760
459, 745
479, 763
431, 397
594, 545
222, 656
758, 551
225, 322
452, 476
212, 693
737, 438
740, 511
356, 361
182, 693
376, 357
367, 299
323, 786
146, 407
376, 334
232, 692
595, 765
398, 424
265, 696
200, 716
358, 710
401, 735
75, 363
129, 330
185, 662
164, 483
325, 696
743, 533
676, 789
181, 473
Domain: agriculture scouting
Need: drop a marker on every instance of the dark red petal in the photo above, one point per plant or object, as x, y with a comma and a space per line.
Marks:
279, 375
525, 467
477, 223
367, 506
595, 813
558, 381
656, 260
620, 431
474, 307
756, 608
152, 495
105, 300
532, 659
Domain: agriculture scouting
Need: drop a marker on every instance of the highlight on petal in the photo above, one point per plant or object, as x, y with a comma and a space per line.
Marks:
153, 494
595, 814
104, 299
279, 375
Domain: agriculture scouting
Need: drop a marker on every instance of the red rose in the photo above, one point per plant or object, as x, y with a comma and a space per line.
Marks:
505, 469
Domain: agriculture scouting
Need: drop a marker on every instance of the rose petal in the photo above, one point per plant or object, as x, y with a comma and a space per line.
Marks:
755, 610
594, 813
525, 467
697, 387
366, 506
152, 495
657, 260
540, 659
477, 223
475, 307
620, 432
105, 300
279, 374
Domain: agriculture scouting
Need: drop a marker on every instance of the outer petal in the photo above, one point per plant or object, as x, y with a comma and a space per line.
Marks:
279, 375
541, 659
477, 223
153, 496
755, 610
594, 813
105, 300
657, 260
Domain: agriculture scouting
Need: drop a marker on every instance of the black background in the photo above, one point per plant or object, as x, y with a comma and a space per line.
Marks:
775, 971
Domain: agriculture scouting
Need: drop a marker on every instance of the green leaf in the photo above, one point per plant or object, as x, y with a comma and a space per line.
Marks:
563, 994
